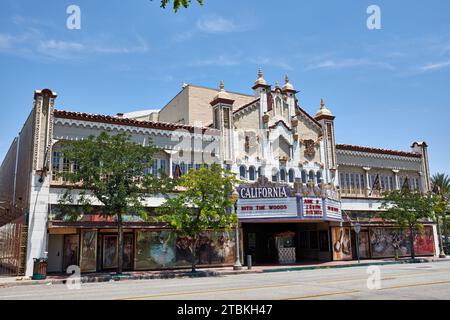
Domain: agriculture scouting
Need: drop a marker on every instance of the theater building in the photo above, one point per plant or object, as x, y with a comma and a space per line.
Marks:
300, 192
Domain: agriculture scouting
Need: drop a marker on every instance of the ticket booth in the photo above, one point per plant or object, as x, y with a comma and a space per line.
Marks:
286, 247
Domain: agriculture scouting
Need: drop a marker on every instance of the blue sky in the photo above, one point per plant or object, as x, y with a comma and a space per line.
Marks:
387, 88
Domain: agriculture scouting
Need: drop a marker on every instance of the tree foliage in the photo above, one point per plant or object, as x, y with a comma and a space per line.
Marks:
110, 170
441, 183
178, 3
204, 204
408, 209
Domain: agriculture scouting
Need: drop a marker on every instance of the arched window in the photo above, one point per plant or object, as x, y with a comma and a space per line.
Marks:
242, 172
304, 177
259, 172
251, 173
311, 175
291, 175
274, 175
319, 177
283, 174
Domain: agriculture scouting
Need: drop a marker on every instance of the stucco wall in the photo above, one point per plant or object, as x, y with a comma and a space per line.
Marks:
24, 142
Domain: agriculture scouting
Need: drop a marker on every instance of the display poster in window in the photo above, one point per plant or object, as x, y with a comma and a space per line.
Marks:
88, 260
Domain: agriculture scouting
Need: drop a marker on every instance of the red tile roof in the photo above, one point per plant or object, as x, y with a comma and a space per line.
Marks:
378, 150
124, 121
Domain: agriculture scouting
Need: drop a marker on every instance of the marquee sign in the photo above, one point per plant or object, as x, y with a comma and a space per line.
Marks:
265, 200
313, 207
265, 192
333, 209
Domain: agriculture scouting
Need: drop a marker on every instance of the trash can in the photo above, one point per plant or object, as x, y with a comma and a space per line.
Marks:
40, 268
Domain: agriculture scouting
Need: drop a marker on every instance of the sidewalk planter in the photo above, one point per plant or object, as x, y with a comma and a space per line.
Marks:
40, 268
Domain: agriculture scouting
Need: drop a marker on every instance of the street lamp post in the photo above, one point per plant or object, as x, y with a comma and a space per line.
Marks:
357, 228
445, 234
237, 264
441, 247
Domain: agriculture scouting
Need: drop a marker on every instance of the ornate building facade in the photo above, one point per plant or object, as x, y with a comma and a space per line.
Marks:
300, 192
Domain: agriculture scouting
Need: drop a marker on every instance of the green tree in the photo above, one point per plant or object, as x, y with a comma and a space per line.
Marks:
408, 209
204, 204
178, 3
111, 170
441, 184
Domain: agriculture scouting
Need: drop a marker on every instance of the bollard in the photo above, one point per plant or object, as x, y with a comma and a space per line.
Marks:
249, 262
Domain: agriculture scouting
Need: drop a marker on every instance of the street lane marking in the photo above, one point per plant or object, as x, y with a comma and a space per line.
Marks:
208, 291
392, 276
415, 285
323, 295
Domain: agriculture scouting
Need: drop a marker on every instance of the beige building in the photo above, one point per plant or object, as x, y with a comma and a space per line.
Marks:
301, 193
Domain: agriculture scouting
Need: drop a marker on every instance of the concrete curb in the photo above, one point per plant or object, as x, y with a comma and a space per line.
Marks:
202, 274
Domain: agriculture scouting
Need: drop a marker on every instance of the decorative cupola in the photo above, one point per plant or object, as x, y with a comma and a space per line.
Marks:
263, 93
260, 85
421, 148
277, 86
288, 87
326, 119
222, 106
222, 97
324, 112
290, 92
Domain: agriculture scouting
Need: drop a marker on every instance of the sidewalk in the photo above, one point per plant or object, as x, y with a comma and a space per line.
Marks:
210, 272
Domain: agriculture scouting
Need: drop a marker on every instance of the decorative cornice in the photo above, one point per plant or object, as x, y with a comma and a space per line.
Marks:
346, 147
126, 122
278, 123
245, 107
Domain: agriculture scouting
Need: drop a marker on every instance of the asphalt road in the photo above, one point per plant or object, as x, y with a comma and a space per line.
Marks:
406, 281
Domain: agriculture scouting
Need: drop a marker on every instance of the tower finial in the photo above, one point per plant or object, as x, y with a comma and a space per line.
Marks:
286, 78
322, 104
260, 73
222, 85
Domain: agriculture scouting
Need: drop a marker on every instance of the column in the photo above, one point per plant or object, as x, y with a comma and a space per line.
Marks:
170, 153
367, 181
396, 179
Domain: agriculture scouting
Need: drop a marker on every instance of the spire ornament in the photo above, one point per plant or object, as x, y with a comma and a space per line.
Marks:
260, 80
287, 84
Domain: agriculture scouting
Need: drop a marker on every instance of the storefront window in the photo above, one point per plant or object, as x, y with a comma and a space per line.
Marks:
88, 261
155, 249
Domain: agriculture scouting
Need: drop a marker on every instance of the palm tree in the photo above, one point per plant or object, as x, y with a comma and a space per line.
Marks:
441, 183
441, 186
